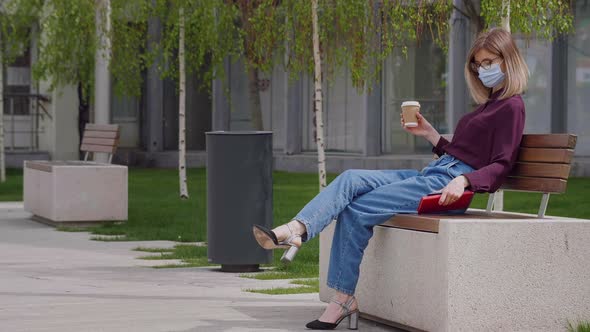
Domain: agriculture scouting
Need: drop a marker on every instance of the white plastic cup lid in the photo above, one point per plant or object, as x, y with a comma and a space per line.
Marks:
410, 103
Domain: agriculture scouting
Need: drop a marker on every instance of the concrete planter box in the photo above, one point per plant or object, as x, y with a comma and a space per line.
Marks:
75, 191
512, 274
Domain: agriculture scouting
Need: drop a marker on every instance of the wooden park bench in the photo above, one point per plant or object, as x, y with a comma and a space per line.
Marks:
484, 270
79, 192
543, 166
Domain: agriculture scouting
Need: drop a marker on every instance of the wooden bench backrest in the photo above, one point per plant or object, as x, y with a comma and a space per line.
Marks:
543, 163
100, 138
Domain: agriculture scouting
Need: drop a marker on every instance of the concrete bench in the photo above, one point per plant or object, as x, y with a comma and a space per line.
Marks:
485, 270
78, 192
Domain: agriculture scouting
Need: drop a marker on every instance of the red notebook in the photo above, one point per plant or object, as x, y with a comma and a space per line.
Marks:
429, 204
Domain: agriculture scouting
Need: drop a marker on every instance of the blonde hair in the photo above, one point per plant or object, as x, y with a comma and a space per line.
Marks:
499, 42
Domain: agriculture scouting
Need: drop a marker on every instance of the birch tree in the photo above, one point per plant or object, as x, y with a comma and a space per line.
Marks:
506, 15
318, 96
325, 37
102, 59
181, 108
198, 35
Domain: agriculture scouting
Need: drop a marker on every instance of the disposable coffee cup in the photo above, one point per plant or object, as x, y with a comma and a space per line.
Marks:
409, 110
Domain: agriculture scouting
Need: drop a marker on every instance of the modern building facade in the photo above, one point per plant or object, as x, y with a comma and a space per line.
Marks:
362, 129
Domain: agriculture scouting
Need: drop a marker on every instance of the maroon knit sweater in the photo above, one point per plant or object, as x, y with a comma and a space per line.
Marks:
487, 139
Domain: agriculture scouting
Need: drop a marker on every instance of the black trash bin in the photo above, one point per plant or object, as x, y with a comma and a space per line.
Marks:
239, 195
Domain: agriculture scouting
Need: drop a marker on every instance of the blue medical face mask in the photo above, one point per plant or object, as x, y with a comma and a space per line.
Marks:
491, 77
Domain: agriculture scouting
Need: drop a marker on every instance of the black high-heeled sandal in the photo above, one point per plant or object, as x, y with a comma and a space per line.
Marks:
353, 318
267, 239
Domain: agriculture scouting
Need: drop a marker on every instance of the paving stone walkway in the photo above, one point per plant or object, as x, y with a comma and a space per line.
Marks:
62, 281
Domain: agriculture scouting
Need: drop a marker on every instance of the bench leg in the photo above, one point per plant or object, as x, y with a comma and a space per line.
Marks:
543, 207
499, 200
490, 203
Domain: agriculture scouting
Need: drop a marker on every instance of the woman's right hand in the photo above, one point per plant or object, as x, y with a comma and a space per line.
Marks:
423, 129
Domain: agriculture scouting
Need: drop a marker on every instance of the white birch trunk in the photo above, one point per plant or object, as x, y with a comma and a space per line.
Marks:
318, 96
506, 18
102, 76
2, 162
181, 108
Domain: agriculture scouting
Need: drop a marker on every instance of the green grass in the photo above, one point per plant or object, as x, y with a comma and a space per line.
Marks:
190, 255
307, 286
73, 229
12, 189
583, 326
157, 213
109, 238
154, 250
268, 275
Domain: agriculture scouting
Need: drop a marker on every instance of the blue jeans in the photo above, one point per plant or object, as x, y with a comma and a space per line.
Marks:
362, 199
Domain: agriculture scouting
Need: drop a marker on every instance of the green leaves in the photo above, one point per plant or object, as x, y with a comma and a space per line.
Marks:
128, 38
211, 35
544, 18
360, 34
67, 42
66, 37
16, 22
354, 34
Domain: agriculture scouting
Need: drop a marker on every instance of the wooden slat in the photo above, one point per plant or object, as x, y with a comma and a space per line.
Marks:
413, 222
430, 222
97, 148
40, 166
100, 141
563, 156
535, 184
541, 170
483, 214
101, 134
566, 141
101, 127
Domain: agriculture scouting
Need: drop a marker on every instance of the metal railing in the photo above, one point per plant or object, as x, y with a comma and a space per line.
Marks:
23, 114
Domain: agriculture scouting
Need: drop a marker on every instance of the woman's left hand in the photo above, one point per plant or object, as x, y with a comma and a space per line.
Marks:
453, 191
